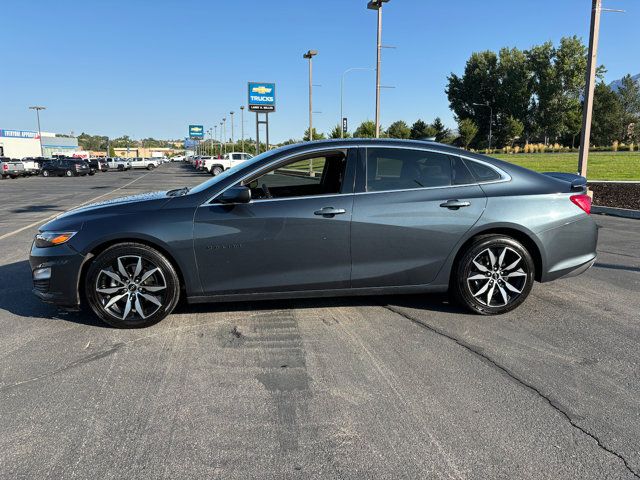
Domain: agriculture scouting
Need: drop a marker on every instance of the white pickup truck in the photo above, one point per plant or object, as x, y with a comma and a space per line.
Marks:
148, 163
119, 164
33, 165
215, 166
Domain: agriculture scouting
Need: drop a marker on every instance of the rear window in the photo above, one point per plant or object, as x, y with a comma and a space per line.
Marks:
482, 172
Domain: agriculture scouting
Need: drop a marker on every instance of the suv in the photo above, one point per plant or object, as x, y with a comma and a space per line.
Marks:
216, 166
10, 167
98, 165
68, 167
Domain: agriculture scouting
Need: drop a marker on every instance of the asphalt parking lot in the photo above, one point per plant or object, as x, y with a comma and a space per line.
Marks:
384, 387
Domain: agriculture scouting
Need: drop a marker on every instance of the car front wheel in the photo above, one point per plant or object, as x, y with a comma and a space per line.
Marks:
494, 275
130, 285
216, 171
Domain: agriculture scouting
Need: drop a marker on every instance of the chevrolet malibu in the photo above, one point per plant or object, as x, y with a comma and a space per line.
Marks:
327, 218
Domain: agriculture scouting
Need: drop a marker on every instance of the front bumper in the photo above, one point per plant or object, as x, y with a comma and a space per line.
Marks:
61, 286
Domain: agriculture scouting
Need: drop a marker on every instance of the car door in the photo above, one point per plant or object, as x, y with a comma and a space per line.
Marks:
411, 209
296, 240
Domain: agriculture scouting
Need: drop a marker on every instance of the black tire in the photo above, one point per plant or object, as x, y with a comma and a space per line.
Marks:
150, 167
163, 279
488, 286
13, 177
121, 168
215, 171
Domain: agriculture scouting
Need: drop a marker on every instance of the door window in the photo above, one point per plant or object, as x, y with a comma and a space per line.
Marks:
403, 169
301, 177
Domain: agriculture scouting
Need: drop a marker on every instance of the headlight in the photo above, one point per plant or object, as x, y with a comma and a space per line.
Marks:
50, 239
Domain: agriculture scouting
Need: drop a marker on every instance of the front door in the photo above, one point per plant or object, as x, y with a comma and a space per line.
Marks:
293, 235
403, 230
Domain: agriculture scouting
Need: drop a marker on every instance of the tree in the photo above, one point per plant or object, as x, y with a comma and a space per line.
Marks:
420, 130
629, 95
467, 130
443, 134
606, 125
367, 129
336, 132
398, 129
316, 135
512, 130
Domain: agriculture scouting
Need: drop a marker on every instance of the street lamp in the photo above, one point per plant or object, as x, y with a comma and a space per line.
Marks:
224, 132
377, 5
242, 125
342, 94
232, 136
309, 56
37, 109
487, 105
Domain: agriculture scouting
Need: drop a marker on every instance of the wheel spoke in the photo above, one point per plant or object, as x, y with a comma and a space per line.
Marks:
115, 299
517, 273
511, 287
479, 276
492, 257
151, 298
504, 294
513, 265
490, 294
112, 275
127, 308
121, 268
139, 307
480, 267
154, 288
109, 291
138, 268
148, 274
483, 289
501, 258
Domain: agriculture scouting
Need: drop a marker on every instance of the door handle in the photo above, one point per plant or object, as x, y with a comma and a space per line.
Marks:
330, 211
454, 204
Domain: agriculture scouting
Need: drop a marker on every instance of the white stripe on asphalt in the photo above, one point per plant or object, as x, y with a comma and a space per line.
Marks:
50, 217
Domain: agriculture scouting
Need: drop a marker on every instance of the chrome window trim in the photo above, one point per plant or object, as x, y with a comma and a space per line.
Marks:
275, 162
504, 176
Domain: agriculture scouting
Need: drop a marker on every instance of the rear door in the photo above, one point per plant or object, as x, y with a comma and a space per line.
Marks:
411, 209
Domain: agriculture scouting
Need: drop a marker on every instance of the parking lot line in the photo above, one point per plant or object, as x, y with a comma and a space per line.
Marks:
50, 217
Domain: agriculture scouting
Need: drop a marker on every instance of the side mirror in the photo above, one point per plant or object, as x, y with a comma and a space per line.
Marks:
239, 194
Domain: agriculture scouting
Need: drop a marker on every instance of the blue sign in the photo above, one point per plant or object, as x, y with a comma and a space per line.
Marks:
196, 131
18, 134
188, 143
262, 97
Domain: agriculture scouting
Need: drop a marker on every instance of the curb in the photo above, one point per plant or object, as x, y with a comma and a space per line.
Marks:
616, 212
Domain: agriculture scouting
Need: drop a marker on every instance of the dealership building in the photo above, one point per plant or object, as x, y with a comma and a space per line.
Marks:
26, 143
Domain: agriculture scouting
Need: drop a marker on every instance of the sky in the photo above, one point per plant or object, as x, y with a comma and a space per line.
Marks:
151, 68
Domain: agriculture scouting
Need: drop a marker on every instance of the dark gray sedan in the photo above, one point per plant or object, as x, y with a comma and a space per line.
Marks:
353, 217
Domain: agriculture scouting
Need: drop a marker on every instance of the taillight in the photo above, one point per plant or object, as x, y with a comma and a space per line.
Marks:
583, 201
5, 167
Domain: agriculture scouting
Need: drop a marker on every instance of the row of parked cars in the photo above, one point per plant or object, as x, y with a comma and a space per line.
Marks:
215, 165
62, 166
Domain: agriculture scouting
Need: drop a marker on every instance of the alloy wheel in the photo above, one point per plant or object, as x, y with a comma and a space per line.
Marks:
132, 287
497, 276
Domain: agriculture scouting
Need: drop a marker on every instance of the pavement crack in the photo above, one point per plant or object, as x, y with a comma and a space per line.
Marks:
477, 351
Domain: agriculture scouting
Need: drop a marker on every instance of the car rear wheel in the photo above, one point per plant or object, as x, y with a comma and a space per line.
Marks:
150, 167
130, 285
494, 275
216, 171
69, 173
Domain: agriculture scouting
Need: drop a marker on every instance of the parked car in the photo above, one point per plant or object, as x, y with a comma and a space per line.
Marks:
216, 166
33, 165
346, 217
98, 164
148, 163
177, 158
119, 164
11, 167
68, 167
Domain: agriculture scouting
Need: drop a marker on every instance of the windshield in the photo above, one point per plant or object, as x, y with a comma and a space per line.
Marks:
227, 173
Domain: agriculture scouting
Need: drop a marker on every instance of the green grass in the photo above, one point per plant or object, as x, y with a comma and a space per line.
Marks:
602, 165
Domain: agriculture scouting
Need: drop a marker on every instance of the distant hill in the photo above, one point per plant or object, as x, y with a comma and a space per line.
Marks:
615, 85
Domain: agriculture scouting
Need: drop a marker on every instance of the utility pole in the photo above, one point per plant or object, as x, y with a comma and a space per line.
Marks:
232, 136
309, 56
37, 109
224, 132
377, 5
592, 59
242, 125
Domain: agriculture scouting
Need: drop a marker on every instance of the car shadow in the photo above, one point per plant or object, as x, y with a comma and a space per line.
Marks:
17, 299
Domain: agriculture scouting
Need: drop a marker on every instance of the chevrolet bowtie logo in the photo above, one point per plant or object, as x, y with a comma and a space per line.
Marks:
261, 90
196, 129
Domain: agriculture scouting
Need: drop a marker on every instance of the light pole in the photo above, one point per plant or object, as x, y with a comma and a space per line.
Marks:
309, 56
242, 125
215, 134
221, 137
342, 94
232, 136
377, 5
37, 109
224, 132
487, 105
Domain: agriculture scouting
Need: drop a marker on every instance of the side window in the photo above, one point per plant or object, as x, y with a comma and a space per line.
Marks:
481, 172
460, 174
402, 169
301, 177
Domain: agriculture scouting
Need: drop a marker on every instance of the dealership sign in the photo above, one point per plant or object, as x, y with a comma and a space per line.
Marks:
18, 134
196, 131
262, 97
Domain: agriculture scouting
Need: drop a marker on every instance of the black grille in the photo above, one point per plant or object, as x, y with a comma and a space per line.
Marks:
41, 285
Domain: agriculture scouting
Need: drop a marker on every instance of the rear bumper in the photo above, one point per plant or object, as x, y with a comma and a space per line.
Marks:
64, 265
